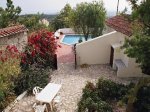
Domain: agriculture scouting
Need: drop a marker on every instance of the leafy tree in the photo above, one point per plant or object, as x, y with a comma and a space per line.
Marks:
89, 18
138, 46
63, 19
9, 15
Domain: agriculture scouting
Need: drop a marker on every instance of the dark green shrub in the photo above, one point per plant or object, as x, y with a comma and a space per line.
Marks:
138, 99
91, 101
142, 103
109, 90
30, 78
80, 40
93, 106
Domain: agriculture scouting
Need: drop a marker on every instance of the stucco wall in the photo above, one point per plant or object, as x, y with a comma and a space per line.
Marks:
97, 51
131, 68
19, 40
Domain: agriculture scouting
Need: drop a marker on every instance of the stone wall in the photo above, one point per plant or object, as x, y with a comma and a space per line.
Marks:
19, 40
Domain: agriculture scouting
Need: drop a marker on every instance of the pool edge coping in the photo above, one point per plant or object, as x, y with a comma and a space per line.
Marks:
61, 40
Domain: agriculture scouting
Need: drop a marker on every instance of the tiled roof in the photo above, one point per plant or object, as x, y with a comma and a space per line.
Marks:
12, 30
120, 24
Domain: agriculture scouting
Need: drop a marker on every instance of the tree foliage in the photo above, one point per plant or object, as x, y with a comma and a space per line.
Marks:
9, 15
89, 18
138, 46
32, 22
142, 13
63, 19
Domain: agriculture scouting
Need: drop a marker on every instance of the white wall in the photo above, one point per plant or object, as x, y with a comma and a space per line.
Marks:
131, 68
97, 50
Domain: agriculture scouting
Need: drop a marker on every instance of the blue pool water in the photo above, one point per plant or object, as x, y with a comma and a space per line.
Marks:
72, 39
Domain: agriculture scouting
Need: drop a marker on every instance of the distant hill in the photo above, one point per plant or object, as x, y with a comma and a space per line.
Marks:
49, 17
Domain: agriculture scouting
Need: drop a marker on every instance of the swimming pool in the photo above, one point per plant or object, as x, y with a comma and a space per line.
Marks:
72, 39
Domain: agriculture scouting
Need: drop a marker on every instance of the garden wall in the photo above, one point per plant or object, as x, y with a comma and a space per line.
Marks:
97, 50
19, 40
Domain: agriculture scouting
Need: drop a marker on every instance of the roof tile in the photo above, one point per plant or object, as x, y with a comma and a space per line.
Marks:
120, 24
12, 30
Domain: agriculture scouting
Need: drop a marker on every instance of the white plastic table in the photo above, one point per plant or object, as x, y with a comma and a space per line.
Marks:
48, 93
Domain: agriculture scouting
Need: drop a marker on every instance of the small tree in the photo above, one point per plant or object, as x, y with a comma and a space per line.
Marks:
62, 20
89, 18
9, 15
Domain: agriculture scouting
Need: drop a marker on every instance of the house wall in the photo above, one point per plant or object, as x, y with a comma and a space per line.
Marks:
19, 40
97, 50
131, 68
119, 54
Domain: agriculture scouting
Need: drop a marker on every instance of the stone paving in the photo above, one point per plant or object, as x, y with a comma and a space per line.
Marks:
64, 53
73, 81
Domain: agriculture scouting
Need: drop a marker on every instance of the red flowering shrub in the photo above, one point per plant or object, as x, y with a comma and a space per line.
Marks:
9, 53
41, 49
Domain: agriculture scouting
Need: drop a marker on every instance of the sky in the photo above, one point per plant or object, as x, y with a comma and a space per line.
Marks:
54, 6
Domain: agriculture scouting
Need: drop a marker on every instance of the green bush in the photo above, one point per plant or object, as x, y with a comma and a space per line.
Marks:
142, 103
109, 90
9, 70
91, 101
30, 78
93, 106
80, 40
138, 99
98, 98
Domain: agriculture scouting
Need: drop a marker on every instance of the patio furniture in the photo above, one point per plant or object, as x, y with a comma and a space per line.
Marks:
39, 108
36, 90
48, 94
57, 99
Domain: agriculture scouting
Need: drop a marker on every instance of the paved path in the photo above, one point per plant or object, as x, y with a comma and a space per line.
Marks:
65, 53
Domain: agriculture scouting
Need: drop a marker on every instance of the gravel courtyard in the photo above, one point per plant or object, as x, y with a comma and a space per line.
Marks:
72, 80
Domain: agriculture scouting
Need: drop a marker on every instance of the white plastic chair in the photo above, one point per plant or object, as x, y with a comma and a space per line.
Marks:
39, 108
57, 99
36, 90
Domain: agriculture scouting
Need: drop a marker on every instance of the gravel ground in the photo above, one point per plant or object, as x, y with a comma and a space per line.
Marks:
73, 81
